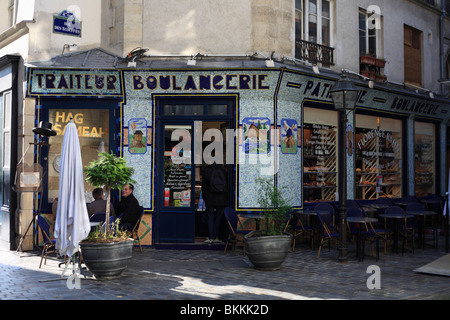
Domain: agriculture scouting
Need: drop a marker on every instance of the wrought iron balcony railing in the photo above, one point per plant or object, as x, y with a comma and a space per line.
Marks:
314, 52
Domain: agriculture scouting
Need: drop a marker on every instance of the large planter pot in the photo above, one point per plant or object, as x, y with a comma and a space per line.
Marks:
267, 252
107, 260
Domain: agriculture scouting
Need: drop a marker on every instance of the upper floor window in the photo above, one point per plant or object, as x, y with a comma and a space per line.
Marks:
412, 55
370, 44
313, 21
369, 34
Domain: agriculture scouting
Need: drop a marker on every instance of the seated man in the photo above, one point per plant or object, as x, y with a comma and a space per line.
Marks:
99, 204
129, 208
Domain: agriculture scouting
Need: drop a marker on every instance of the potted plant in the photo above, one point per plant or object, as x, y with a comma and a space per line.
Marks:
268, 247
107, 250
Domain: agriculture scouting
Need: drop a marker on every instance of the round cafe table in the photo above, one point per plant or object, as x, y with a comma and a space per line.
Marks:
396, 218
360, 220
312, 222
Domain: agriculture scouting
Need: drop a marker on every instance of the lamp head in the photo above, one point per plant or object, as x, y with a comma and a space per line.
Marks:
45, 129
344, 94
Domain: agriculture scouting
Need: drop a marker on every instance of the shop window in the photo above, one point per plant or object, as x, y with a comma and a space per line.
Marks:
424, 156
378, 145
195, 109
320, 155
6, 147
1, 147
217, 109
183, 110
93, 131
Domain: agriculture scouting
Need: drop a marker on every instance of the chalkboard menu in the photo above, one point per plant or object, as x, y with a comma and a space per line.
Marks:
319, 167
177, 184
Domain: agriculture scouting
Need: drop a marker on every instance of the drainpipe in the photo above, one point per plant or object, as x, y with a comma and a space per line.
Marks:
441, 44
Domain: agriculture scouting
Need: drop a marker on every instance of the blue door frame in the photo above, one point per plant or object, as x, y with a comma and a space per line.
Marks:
177, 224
73, 104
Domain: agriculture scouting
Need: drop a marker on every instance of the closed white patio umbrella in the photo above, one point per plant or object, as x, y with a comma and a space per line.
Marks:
72, 220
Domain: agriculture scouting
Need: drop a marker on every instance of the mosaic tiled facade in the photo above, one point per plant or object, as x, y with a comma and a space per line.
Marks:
277, 95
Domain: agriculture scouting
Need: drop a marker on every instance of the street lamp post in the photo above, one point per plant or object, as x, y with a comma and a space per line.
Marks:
344, 94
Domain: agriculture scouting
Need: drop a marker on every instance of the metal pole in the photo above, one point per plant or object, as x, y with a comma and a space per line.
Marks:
343, 188
446, 221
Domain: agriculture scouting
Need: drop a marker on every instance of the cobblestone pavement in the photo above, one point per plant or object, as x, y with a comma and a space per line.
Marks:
213, 275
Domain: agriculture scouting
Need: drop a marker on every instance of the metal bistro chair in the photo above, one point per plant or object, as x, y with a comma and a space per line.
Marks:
98, 217
410, 199
234, 225
135, 231
325, 206
300, 229
328, 230
112, 219
405, 231
414, 224
369, 233
49, 243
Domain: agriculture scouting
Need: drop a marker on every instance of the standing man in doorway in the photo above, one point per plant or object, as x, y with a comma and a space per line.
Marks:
215, 195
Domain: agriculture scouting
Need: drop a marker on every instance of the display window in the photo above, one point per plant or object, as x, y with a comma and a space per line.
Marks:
378, 147
93, 132
320, 155
424, 158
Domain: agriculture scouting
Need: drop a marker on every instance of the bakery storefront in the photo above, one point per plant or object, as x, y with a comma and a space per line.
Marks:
273, 123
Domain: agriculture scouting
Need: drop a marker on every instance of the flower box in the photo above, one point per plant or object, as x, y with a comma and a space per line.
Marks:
373, 61
374, 76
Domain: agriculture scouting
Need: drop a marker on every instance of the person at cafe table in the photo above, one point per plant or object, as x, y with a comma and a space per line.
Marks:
99, 203
129, 208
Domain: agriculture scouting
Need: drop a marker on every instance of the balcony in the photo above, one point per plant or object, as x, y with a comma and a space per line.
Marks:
313, 52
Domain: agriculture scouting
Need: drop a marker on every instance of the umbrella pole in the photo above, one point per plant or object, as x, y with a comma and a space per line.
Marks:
74, 259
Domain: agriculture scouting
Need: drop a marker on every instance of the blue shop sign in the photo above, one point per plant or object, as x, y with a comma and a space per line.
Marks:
66, 23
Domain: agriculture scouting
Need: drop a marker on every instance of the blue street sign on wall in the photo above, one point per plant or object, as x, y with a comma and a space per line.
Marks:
66, 23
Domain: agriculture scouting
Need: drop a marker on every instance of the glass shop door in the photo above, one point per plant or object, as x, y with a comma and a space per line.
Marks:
187, 129
176, 217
